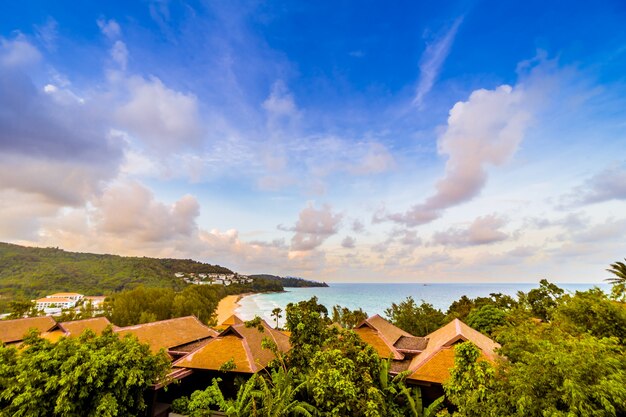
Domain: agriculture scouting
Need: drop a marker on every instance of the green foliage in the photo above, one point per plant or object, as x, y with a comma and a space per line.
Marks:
291, 282
347, 318
470, 387
276, 314
308, 323
594, 313
34, 272
419, 320
87, 376
618, 269
22, 308
487, 319
144, 305
543, 300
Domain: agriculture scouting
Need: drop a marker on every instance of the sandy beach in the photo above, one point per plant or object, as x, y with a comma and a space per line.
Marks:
227, 306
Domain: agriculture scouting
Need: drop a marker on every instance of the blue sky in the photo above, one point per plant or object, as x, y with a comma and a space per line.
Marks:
344, 141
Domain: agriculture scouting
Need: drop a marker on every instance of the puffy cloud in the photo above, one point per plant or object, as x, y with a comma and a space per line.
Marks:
17, 52
280, 102
432, 60
313, 227
50, 143
357, 226
485, 130
109, 28
483, 230
165, 119
119, 54
607, 185
348, 242
130, 210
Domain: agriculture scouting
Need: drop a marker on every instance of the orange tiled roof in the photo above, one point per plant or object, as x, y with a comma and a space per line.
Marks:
232, 320
435, 361
388, 330
383, 336
64, 294
170, 333
14, 330
77, 327
55, 300
373, 338
239, 343
54, 335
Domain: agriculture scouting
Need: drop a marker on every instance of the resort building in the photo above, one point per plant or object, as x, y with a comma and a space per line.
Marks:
429, 358
12, 332
176, 336
239, 346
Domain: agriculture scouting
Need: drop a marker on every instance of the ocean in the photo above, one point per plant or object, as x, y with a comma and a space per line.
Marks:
375, 298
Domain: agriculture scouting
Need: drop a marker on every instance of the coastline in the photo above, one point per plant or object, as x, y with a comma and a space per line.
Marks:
227, 306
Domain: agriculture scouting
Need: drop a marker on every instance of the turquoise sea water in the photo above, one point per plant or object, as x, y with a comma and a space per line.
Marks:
375, 298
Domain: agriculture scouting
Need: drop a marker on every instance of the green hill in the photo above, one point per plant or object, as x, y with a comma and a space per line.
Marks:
33, 272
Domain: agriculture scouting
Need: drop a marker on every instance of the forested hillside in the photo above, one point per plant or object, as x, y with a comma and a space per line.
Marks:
289, 281
32, 272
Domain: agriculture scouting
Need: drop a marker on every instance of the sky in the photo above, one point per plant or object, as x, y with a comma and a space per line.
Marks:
344, 141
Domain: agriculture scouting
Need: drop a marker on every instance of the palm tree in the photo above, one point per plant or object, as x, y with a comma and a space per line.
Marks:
276, 314
277, 395
619, 270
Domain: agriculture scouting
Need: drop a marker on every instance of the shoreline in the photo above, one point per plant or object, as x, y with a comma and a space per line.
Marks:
227, 306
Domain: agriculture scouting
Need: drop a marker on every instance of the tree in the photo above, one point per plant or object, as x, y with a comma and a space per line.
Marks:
543, 300
487, 319
618, 269
276, 314
347, 318
419, 320
308, 323
471, 384
22, 308
594, 313
86, 376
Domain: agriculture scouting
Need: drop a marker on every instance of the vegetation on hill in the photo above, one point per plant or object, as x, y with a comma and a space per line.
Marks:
27, 273
291, 282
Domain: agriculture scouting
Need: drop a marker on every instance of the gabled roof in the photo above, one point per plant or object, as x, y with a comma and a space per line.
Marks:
77, 327
387, 339
14, 330
241, 344
170, 333
388, 330
376, 340
232, 320
433, 363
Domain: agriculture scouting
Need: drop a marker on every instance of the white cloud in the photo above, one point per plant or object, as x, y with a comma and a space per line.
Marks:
119, 54
109, 28
348, 242
484, 131
607, 185
432, 60
313, 227
164, 119
482, 231
18, 52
